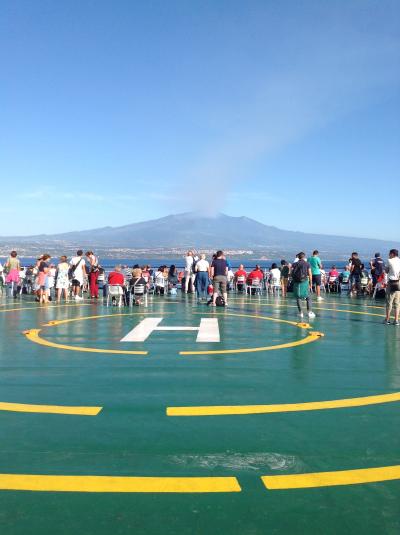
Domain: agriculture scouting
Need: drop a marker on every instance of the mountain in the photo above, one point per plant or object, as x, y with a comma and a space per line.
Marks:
193, 230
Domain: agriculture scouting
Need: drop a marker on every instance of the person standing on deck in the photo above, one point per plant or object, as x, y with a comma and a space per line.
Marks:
302, 282
285, 270
218, 274
393, 287
93, 274
202, 277
62, 280
189, 276
377, 268
11, 268
316, 266
78, 273
44, 267
355, 273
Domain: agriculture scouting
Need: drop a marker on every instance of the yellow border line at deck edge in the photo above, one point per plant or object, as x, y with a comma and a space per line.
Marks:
226, 410
50, 409
330, 479
62, 483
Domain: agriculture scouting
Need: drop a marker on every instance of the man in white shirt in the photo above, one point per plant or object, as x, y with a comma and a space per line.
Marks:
189, 275
393, 287
79, 273
202, 277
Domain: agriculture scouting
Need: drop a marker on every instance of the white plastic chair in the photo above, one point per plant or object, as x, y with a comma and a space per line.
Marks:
275, 286
256, 285
333, 284
241, 280
138, 290
115, 291
345, 284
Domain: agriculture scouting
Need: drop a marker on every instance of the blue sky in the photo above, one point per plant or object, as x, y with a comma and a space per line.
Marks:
117, 112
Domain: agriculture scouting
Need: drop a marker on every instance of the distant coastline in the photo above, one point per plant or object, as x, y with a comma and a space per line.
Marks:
169, 237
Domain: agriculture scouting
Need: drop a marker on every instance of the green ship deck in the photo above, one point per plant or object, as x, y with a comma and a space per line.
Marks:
279, 427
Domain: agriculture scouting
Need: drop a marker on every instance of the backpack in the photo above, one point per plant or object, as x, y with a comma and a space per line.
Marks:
285, 271
378, 267
220, 301
71, 271
299, 271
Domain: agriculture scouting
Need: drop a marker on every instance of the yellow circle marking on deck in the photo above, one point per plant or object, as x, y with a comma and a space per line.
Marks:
34, 336
311, 337
62, 483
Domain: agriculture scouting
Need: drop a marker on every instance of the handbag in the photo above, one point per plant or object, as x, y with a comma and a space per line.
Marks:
394, 286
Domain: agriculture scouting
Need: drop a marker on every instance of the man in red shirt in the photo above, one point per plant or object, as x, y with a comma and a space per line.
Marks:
256, 274
240, 278
240, 272
253, 275
116, 278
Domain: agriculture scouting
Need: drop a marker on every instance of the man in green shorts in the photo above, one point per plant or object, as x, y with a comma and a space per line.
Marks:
302, 280
316, 266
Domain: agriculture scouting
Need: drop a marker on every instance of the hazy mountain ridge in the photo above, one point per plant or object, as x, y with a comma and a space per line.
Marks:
194, 230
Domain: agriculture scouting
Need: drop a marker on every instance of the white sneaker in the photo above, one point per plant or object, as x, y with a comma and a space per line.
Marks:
78, 298
320, 298
311, 314
301, 315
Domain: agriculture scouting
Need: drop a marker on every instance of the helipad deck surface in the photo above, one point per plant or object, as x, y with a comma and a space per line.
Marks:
278, 427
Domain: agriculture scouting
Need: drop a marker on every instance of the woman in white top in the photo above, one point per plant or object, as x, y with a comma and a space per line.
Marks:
275, 277
62, 279
161, 280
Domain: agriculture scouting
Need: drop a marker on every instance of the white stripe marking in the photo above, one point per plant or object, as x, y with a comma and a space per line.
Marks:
208, 330
142, 331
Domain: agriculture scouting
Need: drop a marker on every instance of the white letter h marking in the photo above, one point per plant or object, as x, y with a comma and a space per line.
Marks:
208, 331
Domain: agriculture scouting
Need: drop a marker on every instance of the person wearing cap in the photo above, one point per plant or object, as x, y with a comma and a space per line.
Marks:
377, 268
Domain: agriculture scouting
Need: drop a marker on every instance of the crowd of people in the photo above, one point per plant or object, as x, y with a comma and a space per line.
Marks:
210, 280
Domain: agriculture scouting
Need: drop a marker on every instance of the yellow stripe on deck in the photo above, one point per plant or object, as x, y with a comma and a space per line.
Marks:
50, 409
58, 483
330, 479
222, 410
